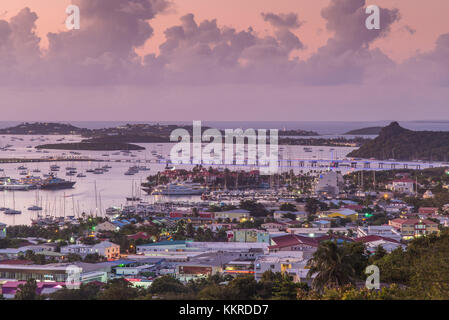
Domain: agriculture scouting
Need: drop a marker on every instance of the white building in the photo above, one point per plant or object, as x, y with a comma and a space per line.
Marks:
402, 186
329, 183
383, 231
290, 262
106, 249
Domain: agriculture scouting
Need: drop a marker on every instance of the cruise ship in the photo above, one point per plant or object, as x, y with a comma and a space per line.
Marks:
184, 189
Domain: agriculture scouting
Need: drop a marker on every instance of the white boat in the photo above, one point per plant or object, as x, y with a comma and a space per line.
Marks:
12, 211
15, 186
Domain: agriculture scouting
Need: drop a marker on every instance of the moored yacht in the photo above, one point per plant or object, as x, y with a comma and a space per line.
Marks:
179, 189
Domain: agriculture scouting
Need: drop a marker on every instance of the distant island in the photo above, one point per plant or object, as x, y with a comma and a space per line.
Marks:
298, 132
365, 131
131, 130
90, 146
44, 128
395, 142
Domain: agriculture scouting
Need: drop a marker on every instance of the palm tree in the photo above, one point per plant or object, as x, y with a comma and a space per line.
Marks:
332, 264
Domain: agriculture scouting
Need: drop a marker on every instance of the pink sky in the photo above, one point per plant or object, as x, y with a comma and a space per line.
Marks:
412, 37
428, 18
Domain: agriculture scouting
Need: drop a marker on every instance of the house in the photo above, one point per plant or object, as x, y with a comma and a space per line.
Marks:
428, 195
2, 230
373, 241
291, 263
428, 210
321, 224
292, 242
250, 235
403, 185
383, 231
342, 213
329, 183
106, 249
237, 214
281, 214
203, 265
9, 289
106, 226
274, 226
411, 228
139, 235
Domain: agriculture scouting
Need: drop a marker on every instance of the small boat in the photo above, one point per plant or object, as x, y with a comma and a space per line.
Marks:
22, 168
80, 175
35, 208
12, 211
36, 170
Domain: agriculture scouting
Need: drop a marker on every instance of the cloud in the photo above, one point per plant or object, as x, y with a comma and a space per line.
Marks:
431, 68
288, 21
195, 52
19, 47
347, 57
103, 50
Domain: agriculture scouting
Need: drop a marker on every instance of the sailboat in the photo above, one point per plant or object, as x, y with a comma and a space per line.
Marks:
13, 211
133, 197
36, 206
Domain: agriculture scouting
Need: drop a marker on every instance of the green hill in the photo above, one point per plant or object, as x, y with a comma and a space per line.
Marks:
395, 142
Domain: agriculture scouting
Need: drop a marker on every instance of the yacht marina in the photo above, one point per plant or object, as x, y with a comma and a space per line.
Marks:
70, 183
